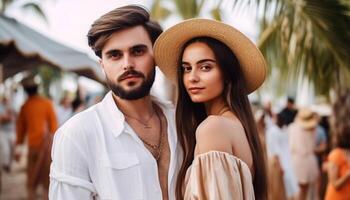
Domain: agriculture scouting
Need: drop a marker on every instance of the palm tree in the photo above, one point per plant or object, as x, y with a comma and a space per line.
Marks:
186, 9
308, 39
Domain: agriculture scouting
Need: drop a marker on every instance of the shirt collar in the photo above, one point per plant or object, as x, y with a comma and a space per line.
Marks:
112, 114
116, 119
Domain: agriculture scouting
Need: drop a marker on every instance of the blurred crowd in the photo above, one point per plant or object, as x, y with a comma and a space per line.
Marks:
300, 144
30, 131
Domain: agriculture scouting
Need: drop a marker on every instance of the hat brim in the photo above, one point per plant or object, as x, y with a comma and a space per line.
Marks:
308, 124
169, 44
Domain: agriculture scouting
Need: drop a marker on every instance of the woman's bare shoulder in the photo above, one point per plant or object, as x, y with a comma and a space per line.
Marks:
217, 133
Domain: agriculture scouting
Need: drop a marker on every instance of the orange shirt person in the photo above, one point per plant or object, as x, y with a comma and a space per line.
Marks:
339, 158
339, 170
37, 121
37, 116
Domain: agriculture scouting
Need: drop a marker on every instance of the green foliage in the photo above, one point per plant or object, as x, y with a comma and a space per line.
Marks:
186, 9
47, 75
159, 12
306, 39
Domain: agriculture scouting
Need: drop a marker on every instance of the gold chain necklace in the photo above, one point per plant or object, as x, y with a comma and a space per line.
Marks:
156, 148
144, 123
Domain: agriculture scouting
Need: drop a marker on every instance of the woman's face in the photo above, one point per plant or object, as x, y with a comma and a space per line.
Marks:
202, 75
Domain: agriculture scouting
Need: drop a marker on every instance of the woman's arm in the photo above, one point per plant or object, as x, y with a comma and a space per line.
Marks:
333, 173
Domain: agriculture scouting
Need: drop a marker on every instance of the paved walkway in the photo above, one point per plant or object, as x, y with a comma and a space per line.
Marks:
14, 183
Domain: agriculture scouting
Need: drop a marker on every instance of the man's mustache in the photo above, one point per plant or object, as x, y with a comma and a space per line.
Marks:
130, 72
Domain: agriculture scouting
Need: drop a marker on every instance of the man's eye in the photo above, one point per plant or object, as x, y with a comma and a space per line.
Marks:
138, 51
115, 55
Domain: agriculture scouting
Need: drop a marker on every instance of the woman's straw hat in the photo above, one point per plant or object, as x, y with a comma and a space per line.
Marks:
168, 47
306, 118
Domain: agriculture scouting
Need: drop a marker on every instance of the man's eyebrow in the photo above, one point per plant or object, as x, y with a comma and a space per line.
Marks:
112, 51
139, 46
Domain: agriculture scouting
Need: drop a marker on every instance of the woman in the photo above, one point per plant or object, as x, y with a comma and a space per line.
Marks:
339, 159
215, 67
302, 144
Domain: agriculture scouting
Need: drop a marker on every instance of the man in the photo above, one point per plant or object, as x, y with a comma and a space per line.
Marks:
37, 120
289, 112
125, 146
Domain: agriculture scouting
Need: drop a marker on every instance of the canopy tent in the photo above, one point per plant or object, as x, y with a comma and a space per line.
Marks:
22, 48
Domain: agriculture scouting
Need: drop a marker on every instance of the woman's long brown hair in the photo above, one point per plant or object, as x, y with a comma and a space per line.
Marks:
189, 115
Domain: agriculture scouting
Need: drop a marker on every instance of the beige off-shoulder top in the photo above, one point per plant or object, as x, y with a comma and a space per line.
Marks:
217, 175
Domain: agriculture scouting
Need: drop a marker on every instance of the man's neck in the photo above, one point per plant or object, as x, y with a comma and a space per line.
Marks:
139, 108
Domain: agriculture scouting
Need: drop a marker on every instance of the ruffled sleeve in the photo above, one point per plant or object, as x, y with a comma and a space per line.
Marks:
218, 175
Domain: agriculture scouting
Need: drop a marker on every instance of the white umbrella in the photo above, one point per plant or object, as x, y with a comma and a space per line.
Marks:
22, 48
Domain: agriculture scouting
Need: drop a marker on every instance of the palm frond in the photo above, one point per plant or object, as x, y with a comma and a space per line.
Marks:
311, 38
188, 8
4, 4
159, 12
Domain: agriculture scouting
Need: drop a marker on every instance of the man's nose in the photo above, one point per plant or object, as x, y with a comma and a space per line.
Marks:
128, 62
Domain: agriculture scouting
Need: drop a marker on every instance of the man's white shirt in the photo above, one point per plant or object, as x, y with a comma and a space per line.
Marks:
97, 155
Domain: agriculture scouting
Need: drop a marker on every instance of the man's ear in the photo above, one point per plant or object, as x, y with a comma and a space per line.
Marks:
102, 67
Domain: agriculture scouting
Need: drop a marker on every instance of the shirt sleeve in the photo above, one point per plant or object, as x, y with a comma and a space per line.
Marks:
218, 175
69, 174
335, 156
20, 127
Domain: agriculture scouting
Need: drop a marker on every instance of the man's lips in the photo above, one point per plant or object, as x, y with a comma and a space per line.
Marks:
130, 77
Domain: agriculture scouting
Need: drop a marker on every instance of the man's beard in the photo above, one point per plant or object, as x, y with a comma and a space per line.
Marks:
135, 93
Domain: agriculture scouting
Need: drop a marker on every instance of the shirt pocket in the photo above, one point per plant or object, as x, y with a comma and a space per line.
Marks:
125, 181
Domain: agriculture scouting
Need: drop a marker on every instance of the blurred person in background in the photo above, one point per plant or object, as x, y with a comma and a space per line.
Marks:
78, 105
302, 144
320, 152
289, 111
36, 121
280, 158
7, 132
64, 108
339, 158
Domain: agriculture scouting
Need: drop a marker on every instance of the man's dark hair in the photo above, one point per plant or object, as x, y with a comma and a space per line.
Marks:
290, 100
31, 90
117, 20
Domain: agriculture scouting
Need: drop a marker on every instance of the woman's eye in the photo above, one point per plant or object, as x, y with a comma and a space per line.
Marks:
205, 67
186, 68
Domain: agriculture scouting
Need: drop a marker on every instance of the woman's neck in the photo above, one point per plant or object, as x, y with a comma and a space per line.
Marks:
216, 106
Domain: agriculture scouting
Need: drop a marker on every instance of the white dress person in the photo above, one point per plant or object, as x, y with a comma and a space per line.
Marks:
277, 143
